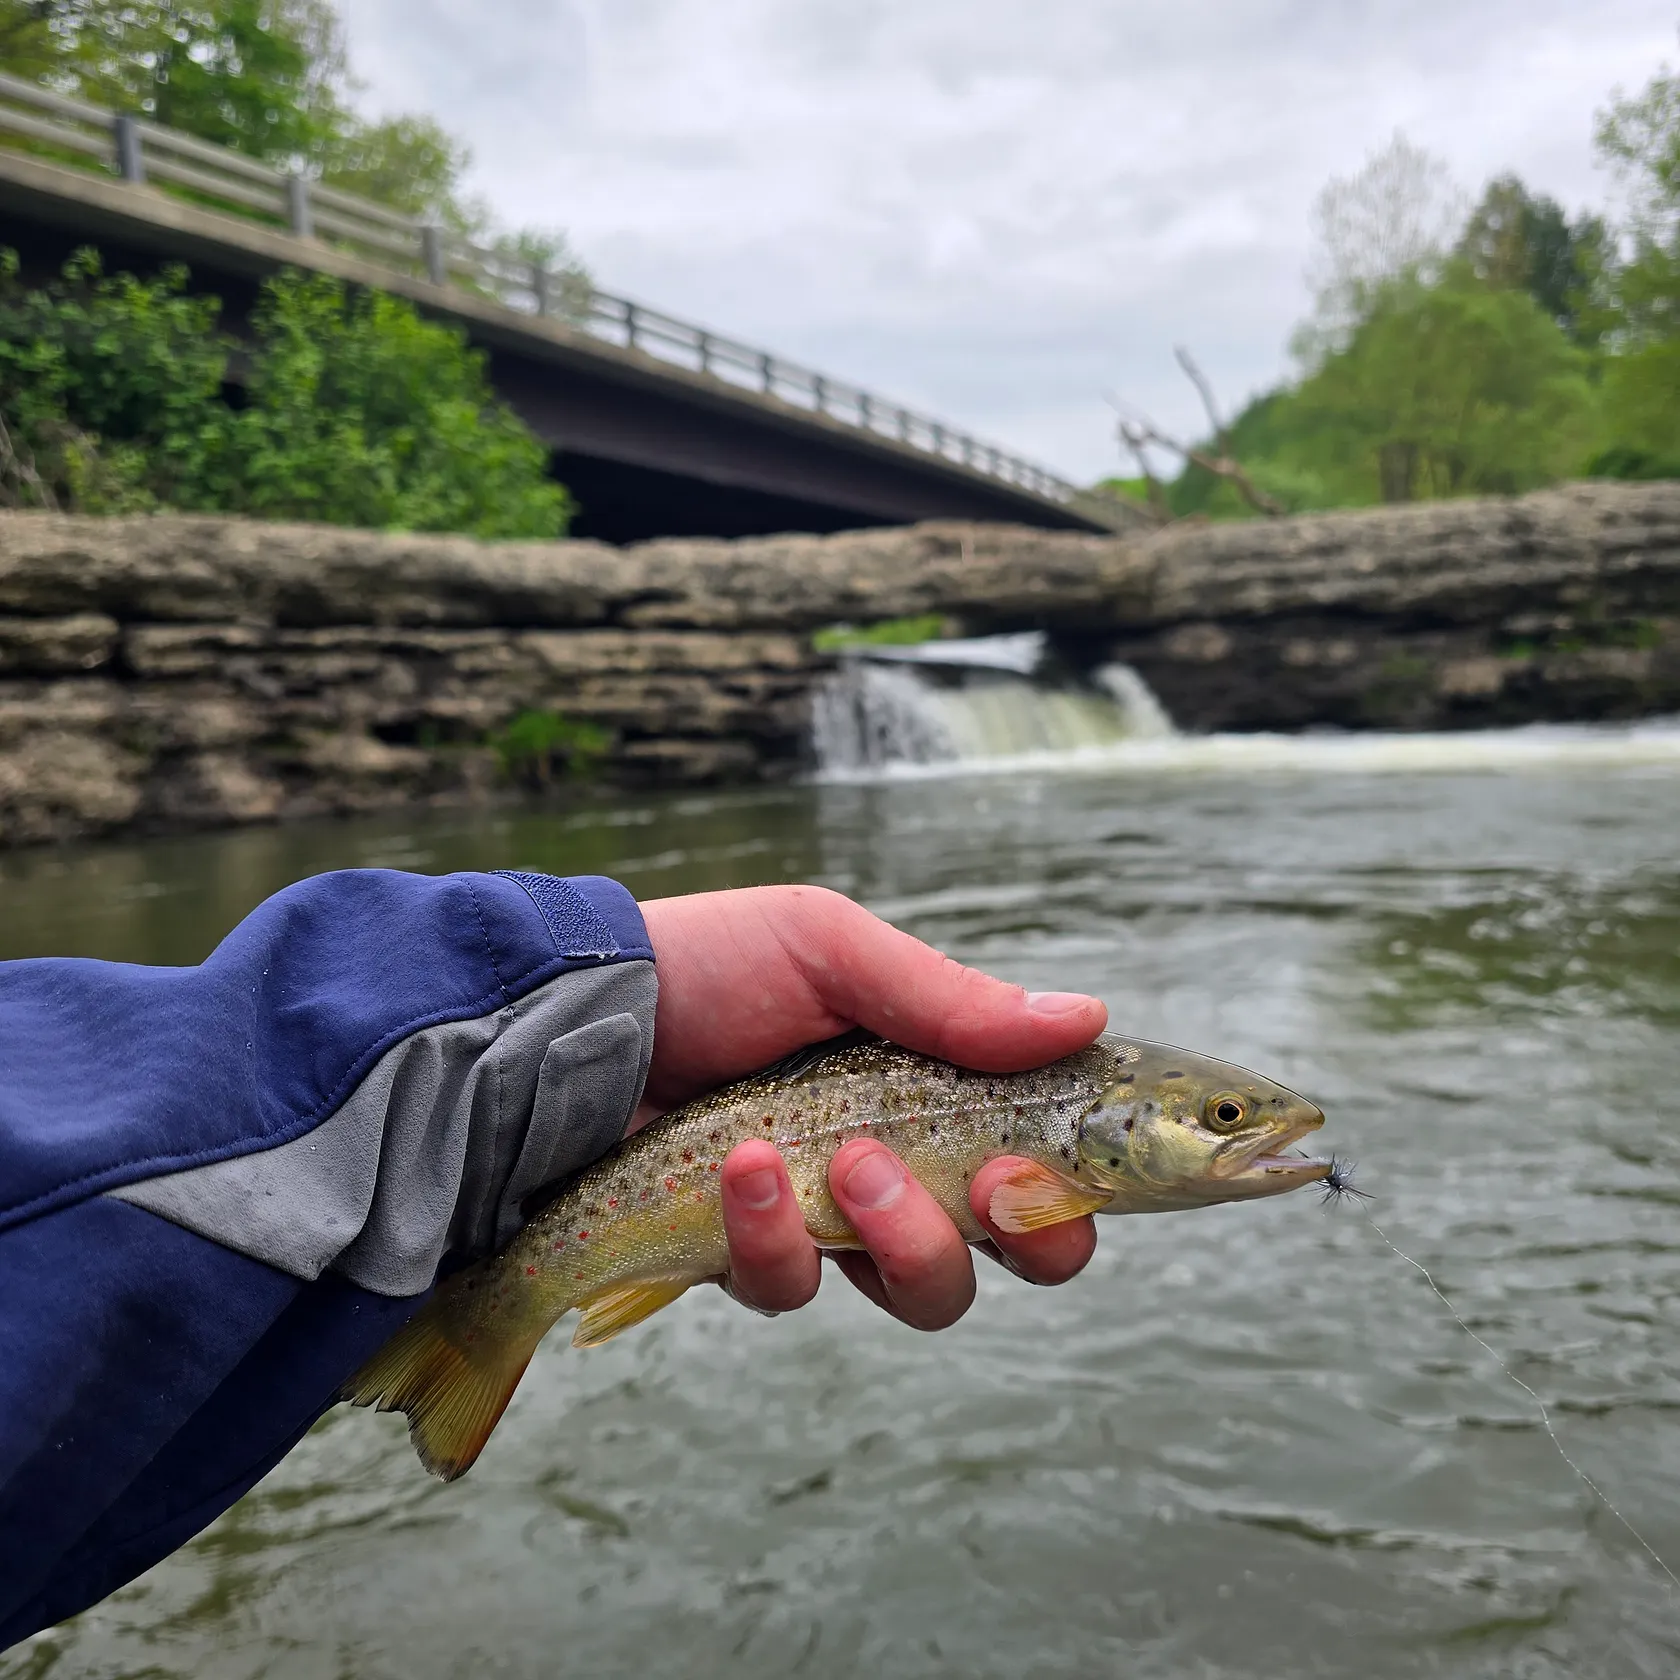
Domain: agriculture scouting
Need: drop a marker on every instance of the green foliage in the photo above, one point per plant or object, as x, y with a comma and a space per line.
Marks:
361, 412
410, 163
355, 411
1521, 241
265, 77
1451, 389
891, 632
111, 387
536, 746
260, 76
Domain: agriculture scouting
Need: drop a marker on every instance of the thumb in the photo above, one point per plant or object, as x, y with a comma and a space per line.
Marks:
867, 971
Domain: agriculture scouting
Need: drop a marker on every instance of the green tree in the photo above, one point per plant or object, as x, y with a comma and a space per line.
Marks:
1639, 135
409, 163
263, 77
1455, 388
1525, 241
30, 43
266, 77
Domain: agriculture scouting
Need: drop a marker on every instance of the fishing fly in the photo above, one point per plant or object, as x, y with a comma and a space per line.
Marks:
1338, 1185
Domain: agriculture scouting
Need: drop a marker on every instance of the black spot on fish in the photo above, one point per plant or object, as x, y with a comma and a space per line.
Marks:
1127, 1124
1124, 1078
1114, 1160
1172, 1073
1067, 1154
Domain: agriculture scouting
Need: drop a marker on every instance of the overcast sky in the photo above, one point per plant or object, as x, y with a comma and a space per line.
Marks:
996, 210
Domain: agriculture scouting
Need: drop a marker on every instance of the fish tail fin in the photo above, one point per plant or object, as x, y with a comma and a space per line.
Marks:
454, 1395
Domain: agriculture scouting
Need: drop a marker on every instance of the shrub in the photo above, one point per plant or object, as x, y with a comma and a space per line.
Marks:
354, 409
533, 746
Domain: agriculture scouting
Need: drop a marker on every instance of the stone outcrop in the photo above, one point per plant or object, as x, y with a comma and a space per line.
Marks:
180, 672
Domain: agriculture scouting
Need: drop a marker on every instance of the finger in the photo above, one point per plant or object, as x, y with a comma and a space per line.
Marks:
867, 971
926, 1276
773, 1264
1051, 1255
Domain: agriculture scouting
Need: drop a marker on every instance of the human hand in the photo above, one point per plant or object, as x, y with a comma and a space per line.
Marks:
746, 977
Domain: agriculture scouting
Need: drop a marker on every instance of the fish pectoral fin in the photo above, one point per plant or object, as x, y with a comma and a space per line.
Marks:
625, 1304
454, 1396
1034, 1196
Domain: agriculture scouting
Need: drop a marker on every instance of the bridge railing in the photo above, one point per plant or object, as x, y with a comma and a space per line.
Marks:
145, 154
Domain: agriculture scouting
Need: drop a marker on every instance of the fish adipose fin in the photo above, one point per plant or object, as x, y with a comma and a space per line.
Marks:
453, 1396
1036, 1195
616, 1309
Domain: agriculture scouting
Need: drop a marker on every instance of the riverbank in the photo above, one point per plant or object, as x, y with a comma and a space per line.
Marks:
174, 673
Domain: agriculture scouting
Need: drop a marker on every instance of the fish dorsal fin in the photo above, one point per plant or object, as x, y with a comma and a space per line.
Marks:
454, 1396
1035, 1195
801, 1061
625, 1304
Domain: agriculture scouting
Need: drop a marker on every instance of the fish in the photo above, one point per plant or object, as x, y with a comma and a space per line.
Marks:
1123, 1126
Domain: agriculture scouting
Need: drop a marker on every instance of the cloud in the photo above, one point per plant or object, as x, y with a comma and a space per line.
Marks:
991, 209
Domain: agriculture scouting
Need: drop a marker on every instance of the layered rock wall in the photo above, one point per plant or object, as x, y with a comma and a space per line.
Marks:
172, 672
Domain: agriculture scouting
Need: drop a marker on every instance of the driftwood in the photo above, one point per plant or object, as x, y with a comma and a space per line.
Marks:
1138, 433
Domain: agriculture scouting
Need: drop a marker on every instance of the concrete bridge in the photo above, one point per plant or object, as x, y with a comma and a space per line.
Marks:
660, 427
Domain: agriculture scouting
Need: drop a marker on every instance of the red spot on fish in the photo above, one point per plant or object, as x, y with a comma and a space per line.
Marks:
530, 1271
670, 1184
714, 1166
578, 1276
583, 1236
612, 1201
673, 1227
642, 1197
688, 1155
769, 1124
559, 1244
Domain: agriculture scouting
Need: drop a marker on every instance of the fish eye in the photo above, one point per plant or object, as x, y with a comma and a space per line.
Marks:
1225, 1111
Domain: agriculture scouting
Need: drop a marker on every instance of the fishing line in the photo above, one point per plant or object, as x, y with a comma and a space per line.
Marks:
1545, 1416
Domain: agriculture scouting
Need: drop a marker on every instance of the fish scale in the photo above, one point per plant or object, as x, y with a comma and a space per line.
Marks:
1121, 1126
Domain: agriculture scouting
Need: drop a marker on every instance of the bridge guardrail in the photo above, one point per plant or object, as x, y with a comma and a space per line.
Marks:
215, 177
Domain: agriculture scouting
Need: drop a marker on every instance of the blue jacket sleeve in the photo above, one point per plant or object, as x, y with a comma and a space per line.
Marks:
222, 1188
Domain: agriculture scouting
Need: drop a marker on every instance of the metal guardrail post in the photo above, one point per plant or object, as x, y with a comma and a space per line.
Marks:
131, 156
630, 326
866, 411
297, 207
431, 253
704, 345
904, 425
767, 372
938, 438
539, 287
819, 393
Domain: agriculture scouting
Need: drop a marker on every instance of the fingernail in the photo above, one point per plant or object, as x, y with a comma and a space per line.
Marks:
876, 1180
1056, 1003
758, 1189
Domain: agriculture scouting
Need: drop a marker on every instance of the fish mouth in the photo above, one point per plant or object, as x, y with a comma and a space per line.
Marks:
1270, 1166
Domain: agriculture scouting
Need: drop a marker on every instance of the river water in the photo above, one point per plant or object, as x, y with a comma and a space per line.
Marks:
1247, 1442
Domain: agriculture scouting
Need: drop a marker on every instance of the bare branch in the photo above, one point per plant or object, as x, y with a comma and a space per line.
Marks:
1205, 391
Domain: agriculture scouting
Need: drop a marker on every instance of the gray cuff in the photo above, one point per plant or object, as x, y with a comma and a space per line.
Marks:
434, 1151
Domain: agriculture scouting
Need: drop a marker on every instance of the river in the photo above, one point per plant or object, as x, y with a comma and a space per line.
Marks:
1248, 1442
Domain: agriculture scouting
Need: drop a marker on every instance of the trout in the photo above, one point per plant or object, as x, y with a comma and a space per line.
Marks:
1120, 1127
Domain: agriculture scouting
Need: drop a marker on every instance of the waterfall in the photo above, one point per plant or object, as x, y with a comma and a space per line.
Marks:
987, 698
